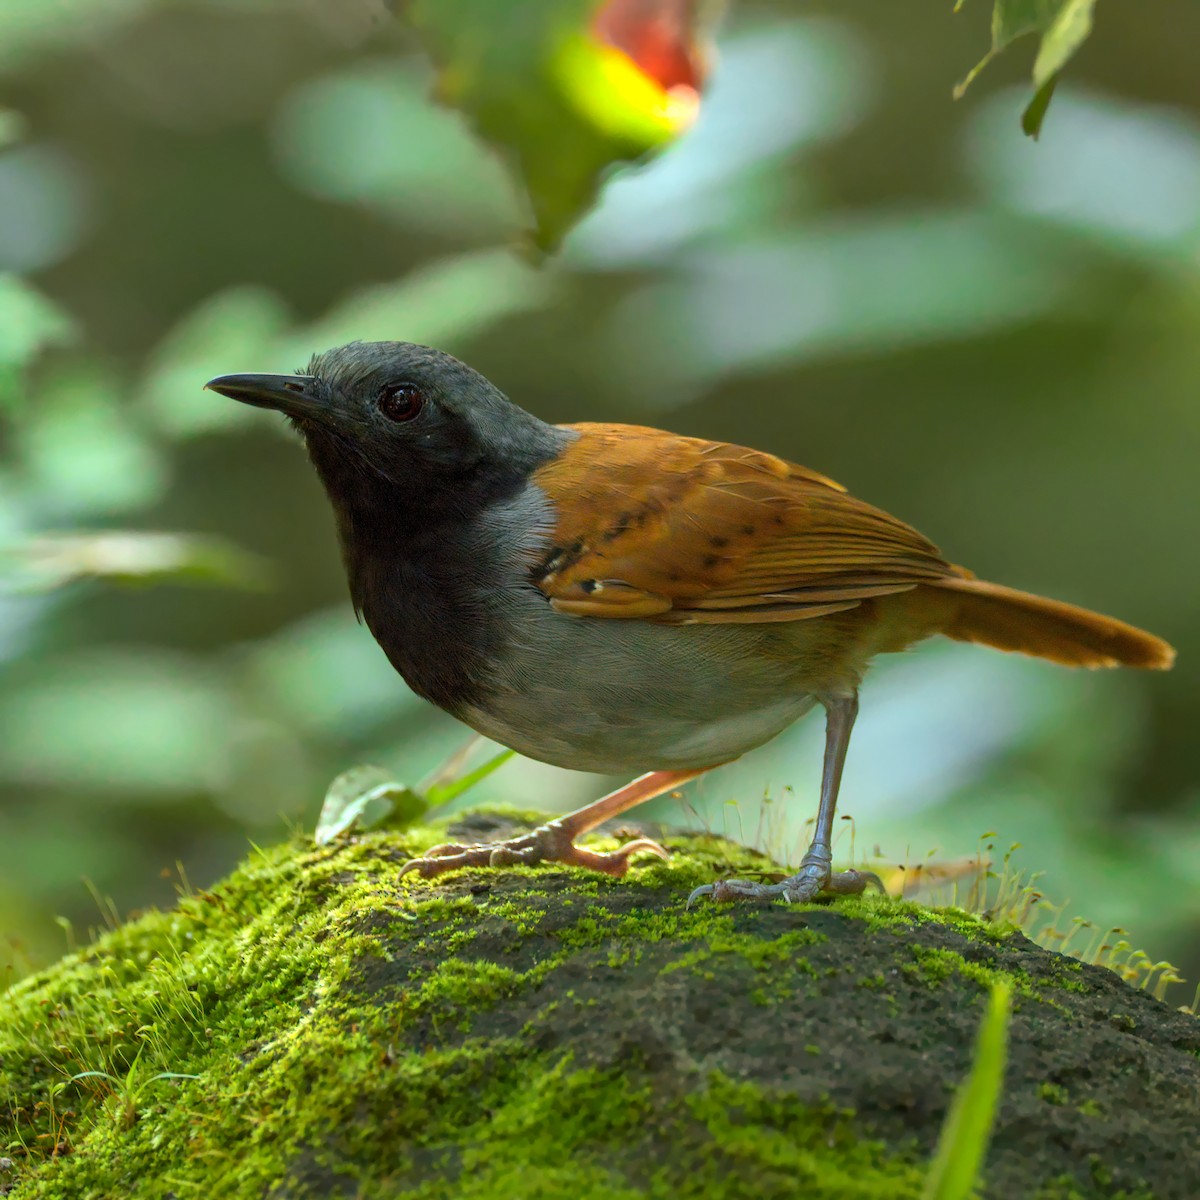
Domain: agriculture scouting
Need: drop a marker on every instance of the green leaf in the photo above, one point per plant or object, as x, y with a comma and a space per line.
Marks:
1035, 110
444, 301
239, 325
1068, 31
954, 1173
39, 564
1064, 25
366, 796
115, 725
28, 324
536, 81
436, 177
80, 449
30, 27
12, 127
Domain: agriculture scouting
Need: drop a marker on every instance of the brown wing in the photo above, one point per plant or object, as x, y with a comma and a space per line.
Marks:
683, 530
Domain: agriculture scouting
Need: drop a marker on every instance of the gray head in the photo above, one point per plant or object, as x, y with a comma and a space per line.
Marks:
392, 424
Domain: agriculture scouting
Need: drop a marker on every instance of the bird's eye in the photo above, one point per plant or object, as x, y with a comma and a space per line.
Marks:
401, 401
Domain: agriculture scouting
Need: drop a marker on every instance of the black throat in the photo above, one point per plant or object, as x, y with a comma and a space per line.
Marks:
428, 560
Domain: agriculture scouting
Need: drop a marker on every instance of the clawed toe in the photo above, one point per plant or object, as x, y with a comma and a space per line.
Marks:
446, 849
612, 862
433, 863
853, 883
548, 843
731, 889
809, 882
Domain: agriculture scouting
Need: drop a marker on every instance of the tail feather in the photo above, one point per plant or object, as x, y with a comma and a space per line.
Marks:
1011, 620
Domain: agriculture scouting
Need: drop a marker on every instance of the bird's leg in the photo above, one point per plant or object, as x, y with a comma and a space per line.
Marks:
555, 841
815, 874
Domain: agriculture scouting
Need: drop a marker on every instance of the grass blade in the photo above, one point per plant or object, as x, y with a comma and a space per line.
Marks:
963, 1143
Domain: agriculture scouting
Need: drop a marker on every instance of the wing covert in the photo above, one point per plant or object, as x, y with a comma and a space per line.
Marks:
682, 530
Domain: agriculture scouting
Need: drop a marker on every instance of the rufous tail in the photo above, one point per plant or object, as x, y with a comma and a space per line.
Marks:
1012, 620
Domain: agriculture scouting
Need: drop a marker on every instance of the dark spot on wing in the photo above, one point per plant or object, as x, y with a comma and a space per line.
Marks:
623, 524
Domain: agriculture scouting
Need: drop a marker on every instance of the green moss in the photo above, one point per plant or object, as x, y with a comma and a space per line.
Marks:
936, 964
221, 986
801, 1146
457, 988
782, 952
256, 988
972, 926
355, 1034
776, 964
1065, 1188
1053, 1093
885, 912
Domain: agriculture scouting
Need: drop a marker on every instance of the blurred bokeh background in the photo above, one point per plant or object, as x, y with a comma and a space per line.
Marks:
994, 339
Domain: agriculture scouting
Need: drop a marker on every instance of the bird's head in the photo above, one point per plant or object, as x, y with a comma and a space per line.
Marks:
389, 422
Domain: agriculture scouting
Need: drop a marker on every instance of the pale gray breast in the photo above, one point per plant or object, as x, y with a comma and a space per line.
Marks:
617, 696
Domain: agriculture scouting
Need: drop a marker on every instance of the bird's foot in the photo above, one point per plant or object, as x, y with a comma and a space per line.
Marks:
814, 877
552, 842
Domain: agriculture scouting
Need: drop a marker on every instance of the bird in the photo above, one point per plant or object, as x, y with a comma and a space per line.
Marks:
623, 600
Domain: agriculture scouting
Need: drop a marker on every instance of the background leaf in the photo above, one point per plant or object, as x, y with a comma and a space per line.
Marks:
28, 324
12, 127
53, 560
1064, 25
364, 797
542, 85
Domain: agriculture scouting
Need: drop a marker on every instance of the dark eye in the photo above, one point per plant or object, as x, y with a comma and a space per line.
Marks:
401, 401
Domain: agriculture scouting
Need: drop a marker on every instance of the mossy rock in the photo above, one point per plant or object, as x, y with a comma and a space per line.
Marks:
542, 1033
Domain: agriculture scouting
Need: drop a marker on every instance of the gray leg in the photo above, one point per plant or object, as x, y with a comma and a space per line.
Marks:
815, 874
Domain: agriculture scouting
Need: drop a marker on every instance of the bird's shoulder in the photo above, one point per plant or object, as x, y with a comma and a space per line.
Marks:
656, 525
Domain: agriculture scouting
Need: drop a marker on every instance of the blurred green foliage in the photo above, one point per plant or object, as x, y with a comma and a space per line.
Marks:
36, 564
992, 339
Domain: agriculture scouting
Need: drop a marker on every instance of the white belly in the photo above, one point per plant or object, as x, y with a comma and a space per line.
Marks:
623, 697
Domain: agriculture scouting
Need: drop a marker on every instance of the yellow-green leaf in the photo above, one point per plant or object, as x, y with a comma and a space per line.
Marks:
1063, 25
562, 105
